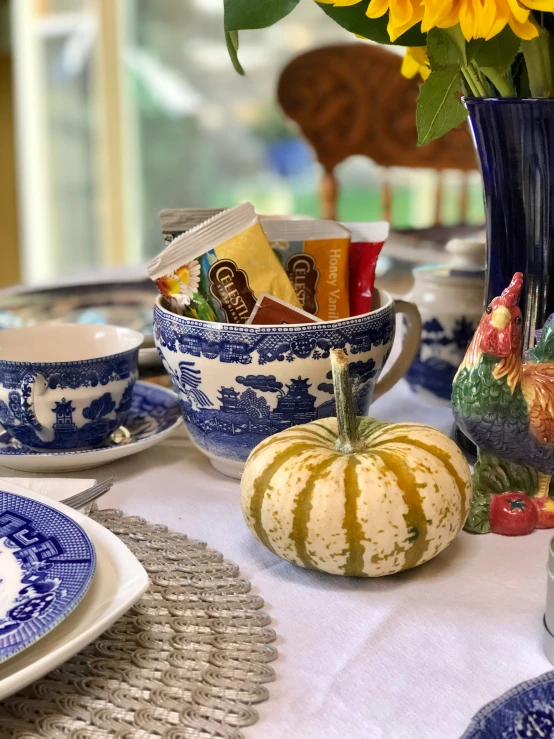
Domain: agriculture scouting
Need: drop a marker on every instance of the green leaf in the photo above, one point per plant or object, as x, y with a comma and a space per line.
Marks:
473, 47
355, 20
232, 41
439, 107
498, 52
478, 519
457, 37
502, 82
520, 75
443, 51
493, 475
248, 14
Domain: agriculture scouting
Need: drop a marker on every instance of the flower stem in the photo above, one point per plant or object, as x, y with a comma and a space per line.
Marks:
474, 82
537, 59
484, 81
503, 85
469, 82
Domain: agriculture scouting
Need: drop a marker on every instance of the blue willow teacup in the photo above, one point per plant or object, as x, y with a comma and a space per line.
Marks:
66, 386
239, 384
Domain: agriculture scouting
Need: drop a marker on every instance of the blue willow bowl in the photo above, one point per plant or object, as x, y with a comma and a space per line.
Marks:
239, 384
66, 386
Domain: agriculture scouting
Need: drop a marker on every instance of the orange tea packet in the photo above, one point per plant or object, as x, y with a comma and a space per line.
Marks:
270, 311
315, 257
217, 270
177, 221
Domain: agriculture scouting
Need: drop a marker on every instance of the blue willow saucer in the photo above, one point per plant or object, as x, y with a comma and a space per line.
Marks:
47, 563
154, 411
524, 712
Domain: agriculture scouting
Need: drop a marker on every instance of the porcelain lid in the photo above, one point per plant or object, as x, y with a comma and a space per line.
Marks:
466, 269
467, 253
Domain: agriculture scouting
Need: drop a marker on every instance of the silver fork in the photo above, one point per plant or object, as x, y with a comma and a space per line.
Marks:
79, 500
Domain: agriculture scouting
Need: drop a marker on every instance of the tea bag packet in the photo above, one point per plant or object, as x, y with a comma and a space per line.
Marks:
270, 311
366, 242
177, 221
315, 257
217, 270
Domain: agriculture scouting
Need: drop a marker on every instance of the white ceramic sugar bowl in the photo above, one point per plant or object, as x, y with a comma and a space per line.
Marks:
450, 300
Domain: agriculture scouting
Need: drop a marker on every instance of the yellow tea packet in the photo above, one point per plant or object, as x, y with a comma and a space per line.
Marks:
217, 270
314, 255
177, 221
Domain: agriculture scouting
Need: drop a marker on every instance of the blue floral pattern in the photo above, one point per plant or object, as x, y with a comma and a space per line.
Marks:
272, 344
282, 376
56, 563
67, 426
151, 411
525, 712
88, 373
440, 354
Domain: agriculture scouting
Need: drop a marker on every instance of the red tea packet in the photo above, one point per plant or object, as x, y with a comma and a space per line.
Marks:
366, 242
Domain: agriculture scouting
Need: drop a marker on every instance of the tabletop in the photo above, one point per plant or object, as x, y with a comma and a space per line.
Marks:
411, 655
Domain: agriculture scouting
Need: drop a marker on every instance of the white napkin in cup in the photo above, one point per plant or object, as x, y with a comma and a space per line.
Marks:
56, 488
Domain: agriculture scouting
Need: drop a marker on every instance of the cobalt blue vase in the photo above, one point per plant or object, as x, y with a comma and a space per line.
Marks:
515, 141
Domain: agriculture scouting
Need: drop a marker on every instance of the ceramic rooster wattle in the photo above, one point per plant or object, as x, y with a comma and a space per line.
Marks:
505, 404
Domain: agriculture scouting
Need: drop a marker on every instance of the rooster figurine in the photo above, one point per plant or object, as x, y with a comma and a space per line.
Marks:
505, 405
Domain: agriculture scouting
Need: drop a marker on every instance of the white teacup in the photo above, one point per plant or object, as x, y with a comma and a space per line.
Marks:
66, 386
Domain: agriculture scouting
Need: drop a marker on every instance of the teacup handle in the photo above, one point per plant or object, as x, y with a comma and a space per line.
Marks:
410, 348
32, 386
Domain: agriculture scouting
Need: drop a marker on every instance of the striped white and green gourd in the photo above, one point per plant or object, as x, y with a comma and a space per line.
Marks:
356, 496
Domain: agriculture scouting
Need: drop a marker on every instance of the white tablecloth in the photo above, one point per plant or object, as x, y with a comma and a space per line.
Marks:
411, 656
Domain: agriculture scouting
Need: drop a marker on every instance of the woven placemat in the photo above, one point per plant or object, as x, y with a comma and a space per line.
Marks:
188, 660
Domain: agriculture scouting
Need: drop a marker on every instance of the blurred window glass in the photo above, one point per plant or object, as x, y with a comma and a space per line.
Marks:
126, 107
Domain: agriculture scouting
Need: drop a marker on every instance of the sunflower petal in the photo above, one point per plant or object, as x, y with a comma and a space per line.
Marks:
415, 62
520, 13
377, 8
525, 31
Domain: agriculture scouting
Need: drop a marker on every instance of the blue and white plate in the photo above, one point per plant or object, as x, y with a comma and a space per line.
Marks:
155, 413
524, 712
118, 302
47, 563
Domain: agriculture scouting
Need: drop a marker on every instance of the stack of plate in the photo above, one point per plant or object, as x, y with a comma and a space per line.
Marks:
63, 580
119, 300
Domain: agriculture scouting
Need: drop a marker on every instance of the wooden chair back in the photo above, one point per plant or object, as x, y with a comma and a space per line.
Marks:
352, 99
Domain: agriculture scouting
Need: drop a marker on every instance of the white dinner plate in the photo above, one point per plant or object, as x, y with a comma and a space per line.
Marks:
119, 582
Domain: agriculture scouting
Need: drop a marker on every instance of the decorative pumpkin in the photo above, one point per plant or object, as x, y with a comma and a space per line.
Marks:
356, 496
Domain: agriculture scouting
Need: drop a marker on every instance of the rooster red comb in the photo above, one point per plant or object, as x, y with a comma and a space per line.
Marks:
510, 296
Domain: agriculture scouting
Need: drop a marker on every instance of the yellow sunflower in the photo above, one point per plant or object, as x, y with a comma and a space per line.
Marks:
403, 14
484, 18
416, 62
477, 18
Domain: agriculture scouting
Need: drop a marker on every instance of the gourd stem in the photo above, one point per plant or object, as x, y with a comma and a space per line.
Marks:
347, 421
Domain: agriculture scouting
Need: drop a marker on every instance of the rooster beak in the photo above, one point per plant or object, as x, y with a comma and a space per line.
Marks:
501, 317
